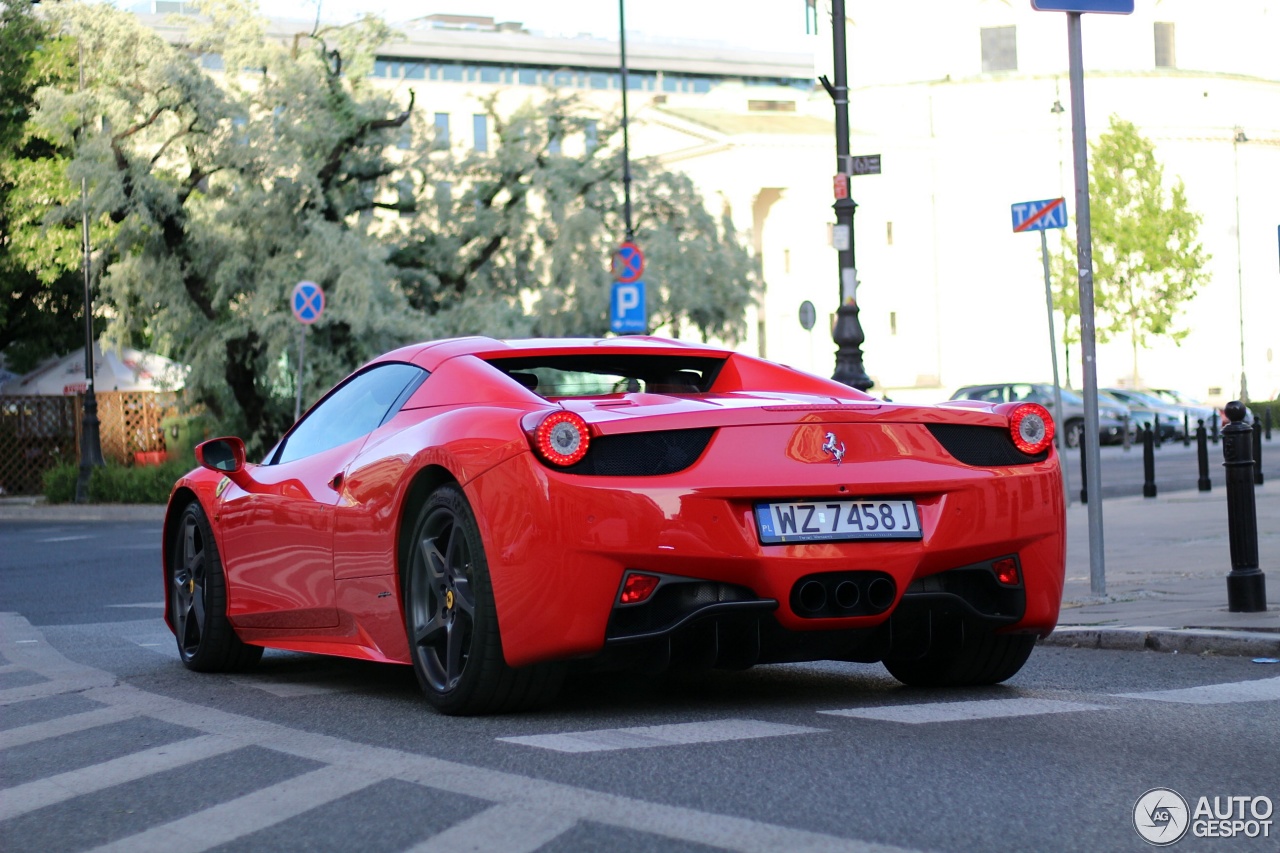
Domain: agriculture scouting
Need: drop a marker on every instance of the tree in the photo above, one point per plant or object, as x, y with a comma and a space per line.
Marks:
41, 285
1147, 258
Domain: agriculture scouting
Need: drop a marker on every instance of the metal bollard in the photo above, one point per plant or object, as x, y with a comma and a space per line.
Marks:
1159, 441
1246, 584
1257, 451
1186, 429
1148, 464
1202, 456
1213, 427
1268, 423
1127, 440
1084, 472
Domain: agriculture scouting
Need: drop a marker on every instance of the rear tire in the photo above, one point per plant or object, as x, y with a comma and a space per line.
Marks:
198, 600
452, 622
981, 659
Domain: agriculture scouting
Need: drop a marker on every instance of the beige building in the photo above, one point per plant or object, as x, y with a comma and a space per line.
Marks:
961, 100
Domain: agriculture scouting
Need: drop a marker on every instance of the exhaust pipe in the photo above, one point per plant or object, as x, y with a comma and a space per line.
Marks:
880, 594
847, 595
813, 596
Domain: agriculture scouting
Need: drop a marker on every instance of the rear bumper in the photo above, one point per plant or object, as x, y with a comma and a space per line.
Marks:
559, 545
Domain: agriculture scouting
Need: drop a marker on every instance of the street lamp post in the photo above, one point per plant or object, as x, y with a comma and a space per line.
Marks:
90, 439
1238, 137
847, 334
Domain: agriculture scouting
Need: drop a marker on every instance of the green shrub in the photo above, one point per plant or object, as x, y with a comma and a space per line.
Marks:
142, 484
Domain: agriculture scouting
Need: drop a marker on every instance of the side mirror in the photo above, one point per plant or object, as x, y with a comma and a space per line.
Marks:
224, 455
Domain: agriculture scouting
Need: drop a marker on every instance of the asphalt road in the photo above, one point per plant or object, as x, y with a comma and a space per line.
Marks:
1177, 468
107, 741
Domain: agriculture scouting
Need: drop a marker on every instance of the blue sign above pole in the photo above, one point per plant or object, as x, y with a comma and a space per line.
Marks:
1113, 7
307, 302
1039, 215
627, 314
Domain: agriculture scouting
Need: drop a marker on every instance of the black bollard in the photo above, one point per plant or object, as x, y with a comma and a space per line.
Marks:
1148, 463
1202, 456
1084, 472
1186, 429
1257, 451
1159, 441
1268, 423
1246, 584
1213, 427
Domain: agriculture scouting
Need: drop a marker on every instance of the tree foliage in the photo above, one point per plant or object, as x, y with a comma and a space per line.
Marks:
217, 193
1148, 262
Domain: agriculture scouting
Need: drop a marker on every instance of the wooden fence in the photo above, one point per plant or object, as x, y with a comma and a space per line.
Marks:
38, 433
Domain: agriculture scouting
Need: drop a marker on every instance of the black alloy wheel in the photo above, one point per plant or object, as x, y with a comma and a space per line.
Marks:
198, 600
452, 623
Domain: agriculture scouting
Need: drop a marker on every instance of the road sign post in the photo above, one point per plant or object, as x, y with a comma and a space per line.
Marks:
1084, 263
307, 304
1041, 216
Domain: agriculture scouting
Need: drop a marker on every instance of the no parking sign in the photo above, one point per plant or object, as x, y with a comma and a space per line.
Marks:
307, 302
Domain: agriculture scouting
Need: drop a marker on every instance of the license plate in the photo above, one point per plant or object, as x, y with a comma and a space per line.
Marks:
837, 521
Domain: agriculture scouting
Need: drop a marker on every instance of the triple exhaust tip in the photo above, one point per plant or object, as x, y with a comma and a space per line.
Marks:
845, 596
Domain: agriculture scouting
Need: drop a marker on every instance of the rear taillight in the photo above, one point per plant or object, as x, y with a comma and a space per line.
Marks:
1031, 427
561, 438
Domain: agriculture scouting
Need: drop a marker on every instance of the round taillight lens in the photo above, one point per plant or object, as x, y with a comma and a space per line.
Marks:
562, 438
1031, 426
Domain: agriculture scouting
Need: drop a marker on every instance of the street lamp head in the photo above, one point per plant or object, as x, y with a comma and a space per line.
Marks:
1240, 137
1057, 108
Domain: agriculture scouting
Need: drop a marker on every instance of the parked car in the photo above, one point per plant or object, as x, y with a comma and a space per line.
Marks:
1194, 409
1146, 409
490, 512
1111, 415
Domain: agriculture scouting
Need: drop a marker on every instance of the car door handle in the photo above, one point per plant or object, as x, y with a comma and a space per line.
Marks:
336, 482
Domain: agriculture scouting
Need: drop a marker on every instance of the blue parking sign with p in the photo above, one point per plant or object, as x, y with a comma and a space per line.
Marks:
627, 313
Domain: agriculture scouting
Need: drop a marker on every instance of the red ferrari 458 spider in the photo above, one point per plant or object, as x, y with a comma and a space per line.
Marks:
490, 512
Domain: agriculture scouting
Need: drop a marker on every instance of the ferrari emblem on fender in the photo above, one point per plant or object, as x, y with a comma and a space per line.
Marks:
835, 448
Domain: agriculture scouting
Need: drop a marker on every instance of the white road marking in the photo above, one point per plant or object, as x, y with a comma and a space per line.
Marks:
602, 740
30, 796
1261, 690
148, 604
71, 724
509, 828
950, 712
226, 822
65, 539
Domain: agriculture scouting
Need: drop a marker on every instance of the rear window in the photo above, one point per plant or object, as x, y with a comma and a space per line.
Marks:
595, 375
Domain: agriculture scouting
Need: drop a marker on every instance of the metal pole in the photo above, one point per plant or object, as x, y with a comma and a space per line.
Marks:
626, 139
1053, 352
90, 438
1236, 138
1088, 335
302, 364
847, 334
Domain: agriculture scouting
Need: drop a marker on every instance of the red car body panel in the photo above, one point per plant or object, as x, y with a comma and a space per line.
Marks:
312, 549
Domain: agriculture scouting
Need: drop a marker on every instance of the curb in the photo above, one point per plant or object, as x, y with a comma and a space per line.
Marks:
1185, 640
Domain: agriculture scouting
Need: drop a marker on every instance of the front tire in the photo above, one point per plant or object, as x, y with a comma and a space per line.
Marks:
198, 601
452, 621
981, 659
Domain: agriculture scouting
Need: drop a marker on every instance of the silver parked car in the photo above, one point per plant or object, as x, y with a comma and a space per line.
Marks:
1112, 417
1147, 409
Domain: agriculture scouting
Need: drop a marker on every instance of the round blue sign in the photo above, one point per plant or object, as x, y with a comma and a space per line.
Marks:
307, 302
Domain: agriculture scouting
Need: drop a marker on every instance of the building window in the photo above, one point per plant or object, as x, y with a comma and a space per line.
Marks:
999, 49
811, 17
1165, 57
442, 130
591, 130
480, 126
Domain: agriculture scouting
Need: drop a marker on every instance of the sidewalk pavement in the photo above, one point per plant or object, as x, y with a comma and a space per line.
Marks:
1166, 562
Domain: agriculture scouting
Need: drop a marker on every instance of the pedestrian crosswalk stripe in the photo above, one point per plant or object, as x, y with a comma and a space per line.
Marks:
950, 712
511, 828
638, 737
229, 821
30, 796
62, 726
1260, 690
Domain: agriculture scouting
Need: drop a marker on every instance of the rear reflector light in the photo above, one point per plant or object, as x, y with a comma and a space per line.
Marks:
1031, 427
637, 588
561, 438
1006, 570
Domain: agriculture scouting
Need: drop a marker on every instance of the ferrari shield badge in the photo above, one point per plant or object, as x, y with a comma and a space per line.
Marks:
834, 448
222, 486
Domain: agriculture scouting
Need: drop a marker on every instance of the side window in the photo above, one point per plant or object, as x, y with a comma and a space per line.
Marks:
988, 395
353, 410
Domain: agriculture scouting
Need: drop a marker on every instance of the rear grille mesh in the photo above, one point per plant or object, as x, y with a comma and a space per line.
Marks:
643, 454
982, 446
